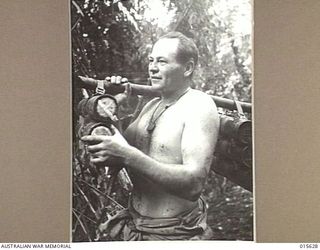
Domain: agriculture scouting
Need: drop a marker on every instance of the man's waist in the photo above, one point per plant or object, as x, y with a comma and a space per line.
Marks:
155, 206
135, 226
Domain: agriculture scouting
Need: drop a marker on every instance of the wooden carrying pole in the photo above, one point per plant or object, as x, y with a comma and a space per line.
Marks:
139, 89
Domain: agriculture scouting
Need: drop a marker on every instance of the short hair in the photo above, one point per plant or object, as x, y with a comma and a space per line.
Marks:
187, 49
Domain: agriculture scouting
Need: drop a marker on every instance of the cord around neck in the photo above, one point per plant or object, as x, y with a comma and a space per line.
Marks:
152, 122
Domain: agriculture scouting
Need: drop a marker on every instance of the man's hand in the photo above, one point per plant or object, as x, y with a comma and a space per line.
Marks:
116, 79
101, 147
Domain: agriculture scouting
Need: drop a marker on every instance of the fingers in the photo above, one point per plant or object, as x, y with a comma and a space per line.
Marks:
116, 79
124, 80
94, 148
93, 139
101, 147
96, 139
99, 154
98, 159
97, 145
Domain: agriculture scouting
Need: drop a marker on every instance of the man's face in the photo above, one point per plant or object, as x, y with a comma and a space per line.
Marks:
165, 72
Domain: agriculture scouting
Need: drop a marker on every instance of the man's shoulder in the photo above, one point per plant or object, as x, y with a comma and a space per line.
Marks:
201, 105
198, 98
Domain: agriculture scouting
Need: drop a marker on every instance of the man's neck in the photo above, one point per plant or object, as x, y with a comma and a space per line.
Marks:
170, 97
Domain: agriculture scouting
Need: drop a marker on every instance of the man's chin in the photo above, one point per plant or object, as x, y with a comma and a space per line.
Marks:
156, 85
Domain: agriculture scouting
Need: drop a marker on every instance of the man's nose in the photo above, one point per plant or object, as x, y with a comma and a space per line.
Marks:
153, 67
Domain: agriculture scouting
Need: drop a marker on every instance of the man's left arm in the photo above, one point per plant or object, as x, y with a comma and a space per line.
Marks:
198, 142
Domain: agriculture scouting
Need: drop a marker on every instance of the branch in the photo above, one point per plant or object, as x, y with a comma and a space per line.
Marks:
82, 226
183, 15
82, 214
78, 8
97, 190
87, 200
75, 24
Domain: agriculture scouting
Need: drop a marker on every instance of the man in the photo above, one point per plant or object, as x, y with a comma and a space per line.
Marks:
167, 151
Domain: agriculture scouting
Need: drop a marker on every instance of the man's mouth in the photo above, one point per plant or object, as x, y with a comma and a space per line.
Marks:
155, 78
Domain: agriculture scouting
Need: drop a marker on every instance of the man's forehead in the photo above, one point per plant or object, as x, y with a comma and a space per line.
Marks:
165, 47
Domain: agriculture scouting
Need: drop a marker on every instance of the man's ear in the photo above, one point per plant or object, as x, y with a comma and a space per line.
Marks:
189, 68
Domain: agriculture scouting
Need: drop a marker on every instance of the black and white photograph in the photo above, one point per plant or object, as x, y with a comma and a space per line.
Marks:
162, 120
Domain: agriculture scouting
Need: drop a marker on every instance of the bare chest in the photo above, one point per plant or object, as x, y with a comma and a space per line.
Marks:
158, 133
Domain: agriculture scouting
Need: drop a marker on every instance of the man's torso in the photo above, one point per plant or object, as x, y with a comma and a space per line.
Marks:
163, 145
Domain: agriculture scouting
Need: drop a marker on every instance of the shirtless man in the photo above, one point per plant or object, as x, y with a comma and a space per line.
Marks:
167, 151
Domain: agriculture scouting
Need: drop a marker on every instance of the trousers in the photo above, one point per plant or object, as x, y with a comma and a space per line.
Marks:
129, 225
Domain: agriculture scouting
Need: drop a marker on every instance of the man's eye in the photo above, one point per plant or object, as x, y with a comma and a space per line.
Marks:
162, 61
150, 60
